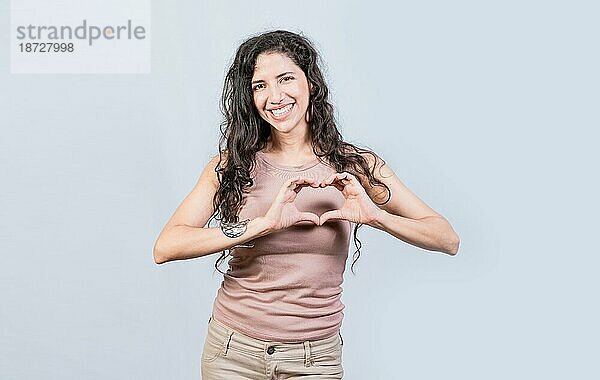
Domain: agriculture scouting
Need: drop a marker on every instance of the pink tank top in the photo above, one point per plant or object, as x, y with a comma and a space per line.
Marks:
287, 288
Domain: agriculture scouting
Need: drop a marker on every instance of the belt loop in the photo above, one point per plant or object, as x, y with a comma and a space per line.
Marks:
226, 348
308, 360
341, 339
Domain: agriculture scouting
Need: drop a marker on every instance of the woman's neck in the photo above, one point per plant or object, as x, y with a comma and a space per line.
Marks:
288, 148
290, 154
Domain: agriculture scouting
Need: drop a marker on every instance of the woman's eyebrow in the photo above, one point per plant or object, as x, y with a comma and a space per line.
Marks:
278, 76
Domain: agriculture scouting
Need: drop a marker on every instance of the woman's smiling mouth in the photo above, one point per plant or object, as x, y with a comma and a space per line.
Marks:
281, 113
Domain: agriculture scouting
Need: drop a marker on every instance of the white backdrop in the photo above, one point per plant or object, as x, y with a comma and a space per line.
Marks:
488, 111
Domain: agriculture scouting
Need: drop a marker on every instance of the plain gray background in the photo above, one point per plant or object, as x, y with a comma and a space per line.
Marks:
486, 110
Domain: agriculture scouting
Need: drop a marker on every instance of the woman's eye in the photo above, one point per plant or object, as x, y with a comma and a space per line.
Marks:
258, 86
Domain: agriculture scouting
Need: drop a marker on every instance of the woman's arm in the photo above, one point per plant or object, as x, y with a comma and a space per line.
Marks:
431, 232
181, 242
185, 237
405, 216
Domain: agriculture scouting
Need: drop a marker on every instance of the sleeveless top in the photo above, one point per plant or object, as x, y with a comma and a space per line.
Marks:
287, 288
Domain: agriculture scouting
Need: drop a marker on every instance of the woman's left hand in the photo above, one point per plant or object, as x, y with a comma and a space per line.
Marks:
358, 206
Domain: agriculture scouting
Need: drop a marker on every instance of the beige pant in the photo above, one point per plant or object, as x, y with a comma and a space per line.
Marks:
231, 355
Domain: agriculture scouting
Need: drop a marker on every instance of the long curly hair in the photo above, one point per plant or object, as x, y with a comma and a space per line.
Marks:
244, 131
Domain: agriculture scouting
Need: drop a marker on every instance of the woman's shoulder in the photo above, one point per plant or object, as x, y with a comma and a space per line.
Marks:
220, 157
370, 156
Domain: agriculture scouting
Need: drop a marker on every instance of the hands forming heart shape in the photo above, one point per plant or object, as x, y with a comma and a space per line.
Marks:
358, 206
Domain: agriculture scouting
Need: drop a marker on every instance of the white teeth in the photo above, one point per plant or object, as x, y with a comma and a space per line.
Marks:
282, 111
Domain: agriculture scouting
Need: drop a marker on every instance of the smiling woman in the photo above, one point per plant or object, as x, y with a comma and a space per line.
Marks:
287, 189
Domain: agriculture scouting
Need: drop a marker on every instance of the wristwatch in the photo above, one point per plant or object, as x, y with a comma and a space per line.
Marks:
234, 229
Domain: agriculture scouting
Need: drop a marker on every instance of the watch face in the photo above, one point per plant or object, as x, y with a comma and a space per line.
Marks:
234, 229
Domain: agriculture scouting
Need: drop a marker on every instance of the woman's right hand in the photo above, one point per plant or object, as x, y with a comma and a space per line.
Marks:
283, 212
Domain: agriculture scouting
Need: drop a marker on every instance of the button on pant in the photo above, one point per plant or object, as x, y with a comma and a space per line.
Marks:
231, 355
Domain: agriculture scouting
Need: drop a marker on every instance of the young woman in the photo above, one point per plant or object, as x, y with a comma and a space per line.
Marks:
287, 189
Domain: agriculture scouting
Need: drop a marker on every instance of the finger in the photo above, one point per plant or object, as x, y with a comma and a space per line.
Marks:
301, 186
330, 215
291, 182
337, 185
335, 182
345, 177
308, 181
309, 217
296, 183
305, 182
313, 182
326, 180
337, 177
331, 179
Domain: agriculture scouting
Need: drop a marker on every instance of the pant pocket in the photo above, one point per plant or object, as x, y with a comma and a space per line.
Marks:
211, 351
213, 345
331, 358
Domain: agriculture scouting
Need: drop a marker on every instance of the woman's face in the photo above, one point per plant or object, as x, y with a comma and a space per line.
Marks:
281, 91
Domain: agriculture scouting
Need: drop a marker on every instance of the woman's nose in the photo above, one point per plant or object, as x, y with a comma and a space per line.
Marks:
276, 95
